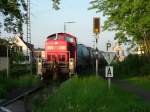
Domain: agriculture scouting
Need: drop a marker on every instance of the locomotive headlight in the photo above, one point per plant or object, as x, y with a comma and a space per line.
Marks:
71, 63
39, 63
71, 66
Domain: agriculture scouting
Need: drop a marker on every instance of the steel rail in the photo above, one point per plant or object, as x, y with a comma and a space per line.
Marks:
8, 102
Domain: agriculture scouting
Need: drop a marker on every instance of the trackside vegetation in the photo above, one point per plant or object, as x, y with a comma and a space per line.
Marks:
9, 84
133, 65
135, 69
89, 94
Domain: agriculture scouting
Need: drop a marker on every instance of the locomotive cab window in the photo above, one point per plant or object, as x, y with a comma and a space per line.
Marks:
55, 37
69, 39
52, 37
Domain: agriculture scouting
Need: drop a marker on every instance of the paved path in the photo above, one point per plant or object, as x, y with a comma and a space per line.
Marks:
145, 94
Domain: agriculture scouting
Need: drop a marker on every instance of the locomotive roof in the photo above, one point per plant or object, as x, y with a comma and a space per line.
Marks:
61, 34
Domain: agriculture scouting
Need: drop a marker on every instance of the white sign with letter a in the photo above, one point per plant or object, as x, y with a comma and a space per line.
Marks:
109, 71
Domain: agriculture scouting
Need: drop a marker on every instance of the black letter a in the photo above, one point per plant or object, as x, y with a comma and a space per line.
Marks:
109, 72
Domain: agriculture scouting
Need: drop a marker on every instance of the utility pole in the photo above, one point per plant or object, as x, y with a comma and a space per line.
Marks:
96, 30
7, 61
29, 35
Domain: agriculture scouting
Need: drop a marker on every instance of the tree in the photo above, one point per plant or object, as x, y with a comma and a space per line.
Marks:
13, 13
129, 18
56, 4
17, 57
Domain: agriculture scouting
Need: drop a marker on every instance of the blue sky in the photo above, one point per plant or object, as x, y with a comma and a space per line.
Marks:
46, 21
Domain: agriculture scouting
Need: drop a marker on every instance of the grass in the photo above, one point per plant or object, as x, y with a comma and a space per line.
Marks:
143, 81
89, 94
8, 84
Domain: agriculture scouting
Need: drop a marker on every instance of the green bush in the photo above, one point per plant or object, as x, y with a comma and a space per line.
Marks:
8, 84
3, 74
17, 70
19, 76
145, 69
133, 65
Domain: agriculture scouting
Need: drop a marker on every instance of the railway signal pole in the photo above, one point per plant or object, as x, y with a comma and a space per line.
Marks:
96, 54
96, 30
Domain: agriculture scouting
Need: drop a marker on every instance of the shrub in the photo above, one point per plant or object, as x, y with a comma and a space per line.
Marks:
145, 69
17, 70
133, 65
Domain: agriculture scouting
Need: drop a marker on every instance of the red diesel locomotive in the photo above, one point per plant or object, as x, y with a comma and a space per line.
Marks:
61, 55
65, 57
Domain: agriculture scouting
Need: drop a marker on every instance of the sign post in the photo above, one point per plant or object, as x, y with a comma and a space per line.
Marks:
109, 56
96, 30
109, 74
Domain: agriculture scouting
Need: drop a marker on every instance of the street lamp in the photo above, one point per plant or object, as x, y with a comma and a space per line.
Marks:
67, 23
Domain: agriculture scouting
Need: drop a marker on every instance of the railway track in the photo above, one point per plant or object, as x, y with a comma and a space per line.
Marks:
28, 92
7, 103
17, 103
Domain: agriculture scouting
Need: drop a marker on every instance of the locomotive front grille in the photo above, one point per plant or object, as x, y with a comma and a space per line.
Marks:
57, 57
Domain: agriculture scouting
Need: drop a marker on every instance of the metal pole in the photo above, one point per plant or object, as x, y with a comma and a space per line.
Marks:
31, 62
64, 27
96, 55
7, 63
29, 54
109, 82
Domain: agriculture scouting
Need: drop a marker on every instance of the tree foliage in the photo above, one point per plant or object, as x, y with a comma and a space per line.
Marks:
13, 14
56, 4
130, 18
18, 57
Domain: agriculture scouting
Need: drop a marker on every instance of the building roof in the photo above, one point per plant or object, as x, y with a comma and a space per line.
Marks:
30, 46
39, 49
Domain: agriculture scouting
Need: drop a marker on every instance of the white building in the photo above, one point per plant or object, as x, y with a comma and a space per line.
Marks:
24, 47
120, 51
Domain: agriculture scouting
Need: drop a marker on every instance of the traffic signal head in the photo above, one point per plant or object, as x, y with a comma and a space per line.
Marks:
96, 25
